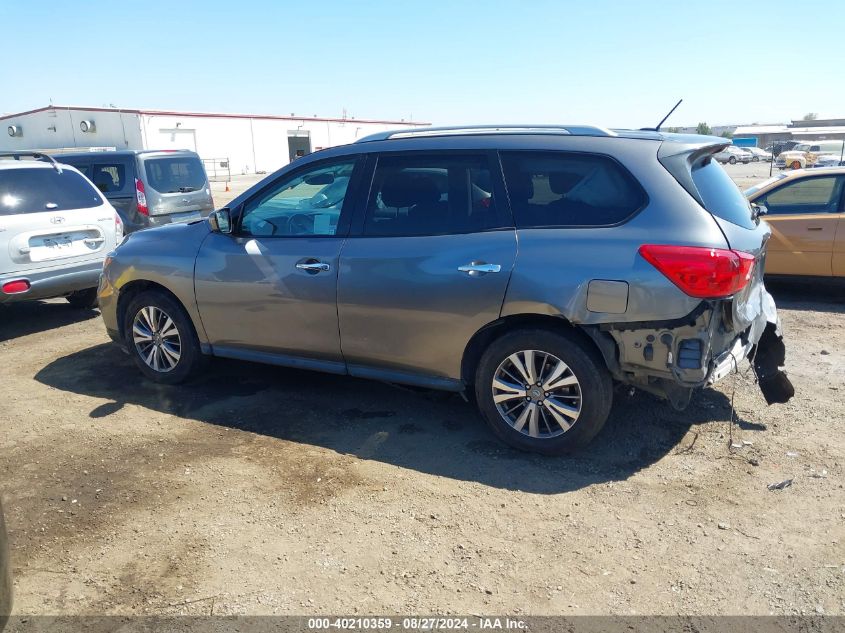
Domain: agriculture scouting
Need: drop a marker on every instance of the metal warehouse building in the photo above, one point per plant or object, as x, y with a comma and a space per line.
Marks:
246, 143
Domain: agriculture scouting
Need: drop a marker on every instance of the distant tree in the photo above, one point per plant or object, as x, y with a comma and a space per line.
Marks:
703, 128
727, 134
810, 116
674, 130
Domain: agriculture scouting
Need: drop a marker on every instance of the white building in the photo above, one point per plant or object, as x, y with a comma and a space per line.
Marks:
250, 143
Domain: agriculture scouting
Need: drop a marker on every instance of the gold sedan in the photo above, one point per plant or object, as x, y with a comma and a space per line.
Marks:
806, 210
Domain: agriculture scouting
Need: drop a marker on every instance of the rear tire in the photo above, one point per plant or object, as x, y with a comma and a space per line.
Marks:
571, 401
83, 299
161, 338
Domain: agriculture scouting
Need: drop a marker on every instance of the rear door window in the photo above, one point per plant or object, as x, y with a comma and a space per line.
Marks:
721, 196
808, 195
109, 177
44, 190
175, 174
431, 194
567, 189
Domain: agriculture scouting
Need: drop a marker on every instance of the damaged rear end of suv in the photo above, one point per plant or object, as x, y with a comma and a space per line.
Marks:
734, 318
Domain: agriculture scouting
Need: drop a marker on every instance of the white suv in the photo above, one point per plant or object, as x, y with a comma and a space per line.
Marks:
55, 230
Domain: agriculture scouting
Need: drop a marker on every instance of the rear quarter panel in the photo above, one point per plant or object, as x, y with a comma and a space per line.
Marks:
554, 266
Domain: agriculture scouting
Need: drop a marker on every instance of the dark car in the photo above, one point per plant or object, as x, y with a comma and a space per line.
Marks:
148, 188
780, 146
5, 574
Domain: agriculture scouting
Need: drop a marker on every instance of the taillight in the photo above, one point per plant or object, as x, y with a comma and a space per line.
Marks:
705, 273
141, 197
15, 287
118, 229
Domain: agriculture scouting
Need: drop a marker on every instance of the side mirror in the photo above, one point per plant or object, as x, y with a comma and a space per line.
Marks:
758, 209
220, 221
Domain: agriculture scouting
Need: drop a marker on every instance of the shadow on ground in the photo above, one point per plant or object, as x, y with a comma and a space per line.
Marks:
819, 295
30, 317
431, 432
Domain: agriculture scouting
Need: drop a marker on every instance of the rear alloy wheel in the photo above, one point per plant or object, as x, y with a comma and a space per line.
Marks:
543, 391
83, 299
161, 338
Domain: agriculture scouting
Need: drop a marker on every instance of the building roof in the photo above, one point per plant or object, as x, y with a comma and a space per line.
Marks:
760, 129
216, 115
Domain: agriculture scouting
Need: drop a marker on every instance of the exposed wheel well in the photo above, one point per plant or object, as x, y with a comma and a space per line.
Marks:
132, 290
490, 332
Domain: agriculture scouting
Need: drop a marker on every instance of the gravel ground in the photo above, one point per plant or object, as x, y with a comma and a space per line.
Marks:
259, 490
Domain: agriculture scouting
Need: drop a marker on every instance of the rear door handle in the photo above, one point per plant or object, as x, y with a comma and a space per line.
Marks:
814, 228
314, 267
479, 268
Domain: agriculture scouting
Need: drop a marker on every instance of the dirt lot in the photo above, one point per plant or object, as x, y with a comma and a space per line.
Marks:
261, 490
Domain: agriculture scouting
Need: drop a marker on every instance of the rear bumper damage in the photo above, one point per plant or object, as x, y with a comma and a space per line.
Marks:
671, 358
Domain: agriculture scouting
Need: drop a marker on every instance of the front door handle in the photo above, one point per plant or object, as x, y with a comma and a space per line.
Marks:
314, 267
814, 228
479, 268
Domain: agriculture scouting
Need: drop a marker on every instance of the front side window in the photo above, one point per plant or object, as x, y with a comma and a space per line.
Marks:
307, 204
567, 189
429, 194
44, 190
109, 177
808, 195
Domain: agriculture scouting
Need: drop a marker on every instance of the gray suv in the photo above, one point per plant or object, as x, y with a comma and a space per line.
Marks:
147, 187
531, 266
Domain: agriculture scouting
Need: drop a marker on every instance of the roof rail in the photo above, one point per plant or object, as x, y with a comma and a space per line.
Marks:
35, 155
461, 130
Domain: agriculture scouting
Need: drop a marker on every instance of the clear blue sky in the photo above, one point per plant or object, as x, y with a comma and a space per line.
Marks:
622, 63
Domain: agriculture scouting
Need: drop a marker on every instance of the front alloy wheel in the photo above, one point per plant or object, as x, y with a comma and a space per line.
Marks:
537, 394
161, 338
157, 339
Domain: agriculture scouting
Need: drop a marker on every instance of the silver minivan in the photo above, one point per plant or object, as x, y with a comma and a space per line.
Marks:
147, 187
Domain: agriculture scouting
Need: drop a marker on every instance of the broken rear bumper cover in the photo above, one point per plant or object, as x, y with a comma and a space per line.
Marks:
672, 358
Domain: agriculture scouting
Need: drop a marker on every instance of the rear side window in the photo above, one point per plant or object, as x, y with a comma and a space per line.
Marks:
44, 190
809, 195
566, 189
721, 196
431, 195
177, 174
109, 178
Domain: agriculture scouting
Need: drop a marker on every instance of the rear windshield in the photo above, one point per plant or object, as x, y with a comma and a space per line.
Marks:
177, 174
721, 196
43, 190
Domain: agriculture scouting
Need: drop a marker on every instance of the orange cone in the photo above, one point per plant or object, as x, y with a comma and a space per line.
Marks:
227, 185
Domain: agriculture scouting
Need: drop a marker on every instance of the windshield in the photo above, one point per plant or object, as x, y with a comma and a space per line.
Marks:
43, 190
176, 174
761, 185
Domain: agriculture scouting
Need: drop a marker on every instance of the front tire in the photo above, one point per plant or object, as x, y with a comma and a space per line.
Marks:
161, 338
796, 165
732, 160
543, 391
83, 299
